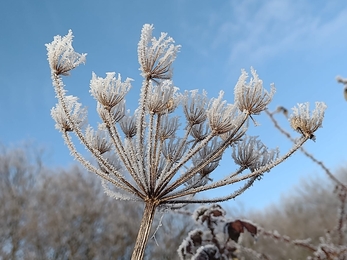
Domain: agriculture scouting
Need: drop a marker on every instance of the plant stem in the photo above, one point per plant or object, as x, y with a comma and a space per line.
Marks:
144, 231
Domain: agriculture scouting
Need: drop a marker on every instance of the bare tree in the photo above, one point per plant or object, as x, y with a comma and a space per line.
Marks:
65, 214
140, 154
16, 185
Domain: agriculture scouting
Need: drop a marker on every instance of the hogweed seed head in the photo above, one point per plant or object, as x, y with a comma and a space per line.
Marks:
109, 91
194, 107
168, 127
246, 152
200, 131
61, 55
303, 122
149, 147
203, 154
156, 55
128, 125
265, 157
77, 114
98, 139
170, 149
252, 97
252, 153
163, 98
221, 116
117, 112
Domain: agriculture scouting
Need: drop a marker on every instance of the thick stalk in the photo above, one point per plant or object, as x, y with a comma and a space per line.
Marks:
144, 231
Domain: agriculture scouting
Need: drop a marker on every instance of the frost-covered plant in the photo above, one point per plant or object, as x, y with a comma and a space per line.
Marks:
140, 154
219, 238
333, 245
216, 238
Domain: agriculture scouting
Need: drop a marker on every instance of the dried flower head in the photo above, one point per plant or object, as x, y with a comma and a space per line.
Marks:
307, 124
203, 154
221, 116
61, 56
128, 125
111, 116
252, 97
252, 153
170, 149
156, 55
98, 139
77, 114
194, 106
200, 131
109, 91
162, 98
168, 127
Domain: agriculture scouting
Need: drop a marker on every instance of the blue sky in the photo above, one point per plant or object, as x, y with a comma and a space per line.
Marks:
300, 45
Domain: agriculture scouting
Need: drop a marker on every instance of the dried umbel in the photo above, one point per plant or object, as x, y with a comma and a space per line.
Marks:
156, 55
252, 97
252, 153
109, 91
141, 153
61, 56
75, 112
307, 124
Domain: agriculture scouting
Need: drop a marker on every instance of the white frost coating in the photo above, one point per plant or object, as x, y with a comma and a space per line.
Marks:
162, 98
252, 97
221, 115
156, 55
194, 106
98, 139
61, 56
207, 252
109, 91
252, 153
116, 195
303, 122
78, 114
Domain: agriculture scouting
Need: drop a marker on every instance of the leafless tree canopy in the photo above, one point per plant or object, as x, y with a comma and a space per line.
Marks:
65, 214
